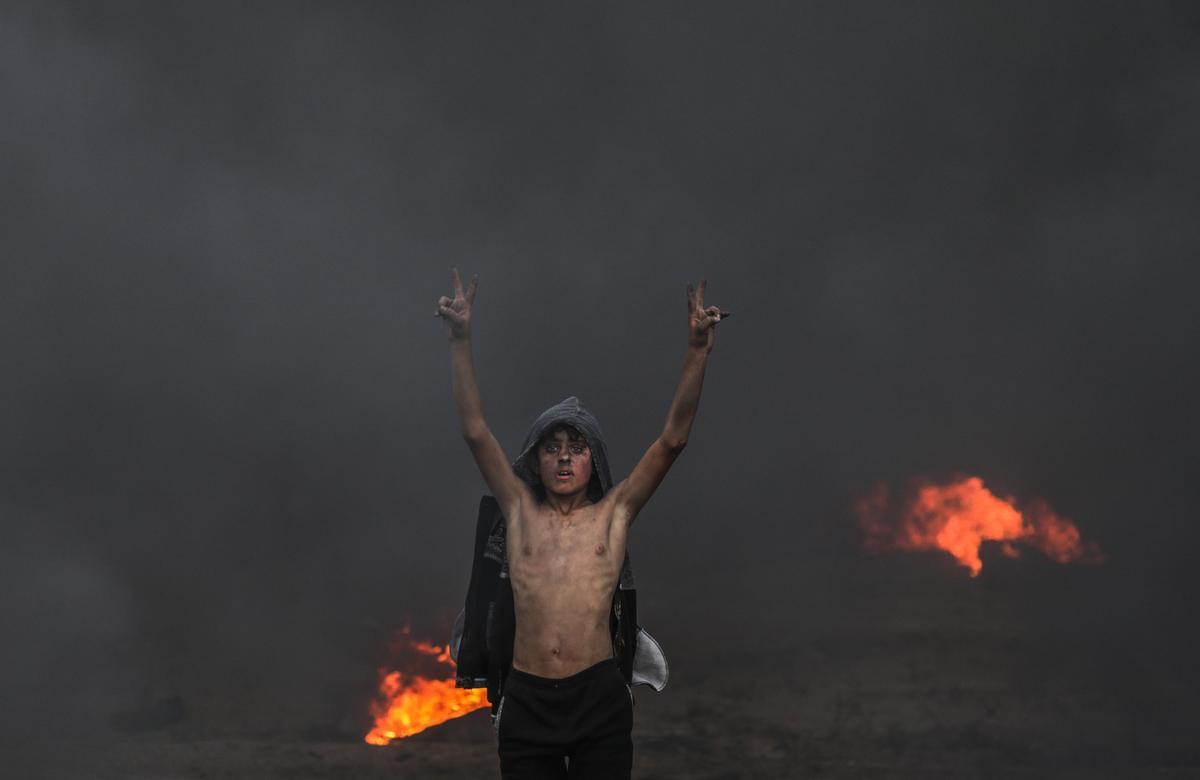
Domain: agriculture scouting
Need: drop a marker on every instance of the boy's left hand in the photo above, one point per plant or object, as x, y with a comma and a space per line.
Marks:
702, 319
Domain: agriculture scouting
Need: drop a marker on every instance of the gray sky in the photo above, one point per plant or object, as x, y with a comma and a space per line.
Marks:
956, 239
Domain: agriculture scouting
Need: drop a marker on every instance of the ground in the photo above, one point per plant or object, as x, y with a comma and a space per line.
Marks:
922, 683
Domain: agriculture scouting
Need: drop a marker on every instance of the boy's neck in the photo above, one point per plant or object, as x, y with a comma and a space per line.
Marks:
565, 505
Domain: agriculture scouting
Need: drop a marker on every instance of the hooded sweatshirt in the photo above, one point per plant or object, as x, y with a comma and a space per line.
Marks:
483, 635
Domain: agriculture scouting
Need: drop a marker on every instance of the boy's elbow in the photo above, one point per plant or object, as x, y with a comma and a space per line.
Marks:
473, 433
674, 444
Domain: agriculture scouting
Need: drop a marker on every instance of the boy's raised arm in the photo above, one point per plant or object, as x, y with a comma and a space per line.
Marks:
632, 493
455, 312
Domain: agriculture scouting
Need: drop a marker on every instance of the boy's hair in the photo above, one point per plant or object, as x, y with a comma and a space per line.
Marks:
573, 433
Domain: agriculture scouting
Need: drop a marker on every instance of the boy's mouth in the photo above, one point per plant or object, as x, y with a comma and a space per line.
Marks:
563, 474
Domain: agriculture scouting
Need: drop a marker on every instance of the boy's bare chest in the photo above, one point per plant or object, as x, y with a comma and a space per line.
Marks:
548, 549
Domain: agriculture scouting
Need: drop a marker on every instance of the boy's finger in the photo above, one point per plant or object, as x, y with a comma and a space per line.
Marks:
700, 293
457, 282
471, 288
691, 298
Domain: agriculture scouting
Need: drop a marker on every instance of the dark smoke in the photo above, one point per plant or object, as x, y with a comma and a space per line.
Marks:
957, 238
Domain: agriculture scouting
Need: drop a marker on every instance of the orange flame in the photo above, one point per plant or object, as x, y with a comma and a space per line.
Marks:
411, 703
958, 517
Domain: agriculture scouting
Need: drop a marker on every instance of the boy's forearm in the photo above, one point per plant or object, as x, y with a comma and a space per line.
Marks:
466, 391
687, 398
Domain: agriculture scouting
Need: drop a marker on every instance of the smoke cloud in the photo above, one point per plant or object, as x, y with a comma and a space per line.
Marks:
957, 239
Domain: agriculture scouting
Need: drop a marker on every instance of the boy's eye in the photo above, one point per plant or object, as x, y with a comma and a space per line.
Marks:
576, 448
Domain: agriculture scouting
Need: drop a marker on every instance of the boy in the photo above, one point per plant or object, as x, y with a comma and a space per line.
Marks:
565, 695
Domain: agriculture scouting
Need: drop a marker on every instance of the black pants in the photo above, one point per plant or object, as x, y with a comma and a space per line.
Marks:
575, 727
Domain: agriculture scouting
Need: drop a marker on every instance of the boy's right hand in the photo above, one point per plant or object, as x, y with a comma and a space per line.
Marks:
456, 312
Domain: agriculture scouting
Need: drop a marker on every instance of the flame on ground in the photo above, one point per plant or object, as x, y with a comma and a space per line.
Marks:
410, 703
959, 516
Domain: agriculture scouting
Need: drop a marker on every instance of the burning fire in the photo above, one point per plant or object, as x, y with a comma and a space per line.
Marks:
959, 516
411, 703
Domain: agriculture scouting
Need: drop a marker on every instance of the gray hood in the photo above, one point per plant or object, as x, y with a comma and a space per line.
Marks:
571, 412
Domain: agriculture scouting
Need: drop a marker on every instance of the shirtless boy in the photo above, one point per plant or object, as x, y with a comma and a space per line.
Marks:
566, 710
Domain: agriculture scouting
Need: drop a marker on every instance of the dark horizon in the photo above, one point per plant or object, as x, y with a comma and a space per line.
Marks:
957, 240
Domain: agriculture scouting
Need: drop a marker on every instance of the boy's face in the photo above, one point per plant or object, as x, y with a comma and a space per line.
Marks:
560, 454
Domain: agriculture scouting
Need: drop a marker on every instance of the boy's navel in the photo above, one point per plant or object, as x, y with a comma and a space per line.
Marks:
599, 549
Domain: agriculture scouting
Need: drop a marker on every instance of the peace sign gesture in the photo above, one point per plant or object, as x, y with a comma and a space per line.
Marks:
702, 319
456, 312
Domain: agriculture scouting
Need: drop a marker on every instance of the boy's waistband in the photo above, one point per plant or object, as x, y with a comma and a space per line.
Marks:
590, 673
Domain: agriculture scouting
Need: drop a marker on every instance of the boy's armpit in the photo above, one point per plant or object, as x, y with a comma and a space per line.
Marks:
632, 493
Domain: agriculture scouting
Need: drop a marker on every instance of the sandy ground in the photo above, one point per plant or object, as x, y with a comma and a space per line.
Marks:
914, 687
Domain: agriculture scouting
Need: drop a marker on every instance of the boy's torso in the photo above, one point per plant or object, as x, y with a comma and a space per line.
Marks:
563, 572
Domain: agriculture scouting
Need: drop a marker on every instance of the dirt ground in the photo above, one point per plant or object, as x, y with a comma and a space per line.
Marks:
918, 684
884, 712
